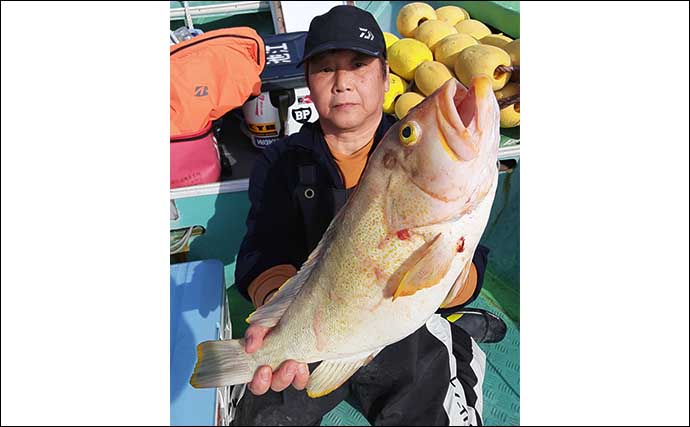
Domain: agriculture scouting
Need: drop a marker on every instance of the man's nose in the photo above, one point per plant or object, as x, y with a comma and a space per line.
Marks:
343, 81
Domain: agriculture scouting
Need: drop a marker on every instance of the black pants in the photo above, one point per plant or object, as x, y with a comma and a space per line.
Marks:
432, 377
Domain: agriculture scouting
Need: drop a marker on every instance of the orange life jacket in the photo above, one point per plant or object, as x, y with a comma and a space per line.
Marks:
212, 74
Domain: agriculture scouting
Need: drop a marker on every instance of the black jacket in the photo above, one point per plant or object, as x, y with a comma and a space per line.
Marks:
295, 190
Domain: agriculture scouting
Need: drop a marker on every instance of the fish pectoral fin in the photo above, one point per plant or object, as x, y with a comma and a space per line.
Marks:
331, 374
425, 267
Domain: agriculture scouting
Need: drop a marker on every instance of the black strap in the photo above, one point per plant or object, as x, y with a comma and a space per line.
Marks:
309, 198
282, 100
340, 196
307, 174
318, 201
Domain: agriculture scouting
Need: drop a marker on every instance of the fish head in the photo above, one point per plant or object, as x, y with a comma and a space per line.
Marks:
447, 147
447, 137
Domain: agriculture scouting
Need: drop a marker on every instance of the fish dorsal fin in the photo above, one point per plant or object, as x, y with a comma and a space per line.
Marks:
331, 374
269, 314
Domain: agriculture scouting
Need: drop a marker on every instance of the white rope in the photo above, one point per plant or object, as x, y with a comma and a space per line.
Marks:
188, 15
180, 244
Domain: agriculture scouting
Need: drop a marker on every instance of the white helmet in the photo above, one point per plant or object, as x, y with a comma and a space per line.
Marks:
262, 123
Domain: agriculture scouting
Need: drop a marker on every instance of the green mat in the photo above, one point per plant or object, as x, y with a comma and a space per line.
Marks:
502, 377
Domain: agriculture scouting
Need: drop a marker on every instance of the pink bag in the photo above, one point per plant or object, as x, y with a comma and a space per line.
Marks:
194, 159
210, 75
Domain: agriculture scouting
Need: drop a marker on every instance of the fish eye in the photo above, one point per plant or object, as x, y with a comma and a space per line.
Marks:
409, 133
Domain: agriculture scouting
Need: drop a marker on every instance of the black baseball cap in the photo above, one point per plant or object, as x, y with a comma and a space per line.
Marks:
344, 27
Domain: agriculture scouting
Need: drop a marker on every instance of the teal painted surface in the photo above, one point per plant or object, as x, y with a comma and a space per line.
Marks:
504, 16
224, 217
385, 12
260, 20
502, 237
180, 4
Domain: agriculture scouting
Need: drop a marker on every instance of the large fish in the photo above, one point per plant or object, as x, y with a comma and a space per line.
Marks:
400, 247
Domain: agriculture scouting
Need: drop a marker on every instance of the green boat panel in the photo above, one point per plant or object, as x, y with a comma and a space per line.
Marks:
502, 237
510, 137
218, 9
503, 16
223, 216
225, 14
261, 22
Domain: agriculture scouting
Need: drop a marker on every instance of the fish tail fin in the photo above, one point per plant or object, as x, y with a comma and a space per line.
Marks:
220, 363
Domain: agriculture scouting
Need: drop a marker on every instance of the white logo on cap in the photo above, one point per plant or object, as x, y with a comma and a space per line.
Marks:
365, 34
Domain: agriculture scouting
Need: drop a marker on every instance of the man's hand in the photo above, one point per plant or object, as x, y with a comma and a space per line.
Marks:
289, 372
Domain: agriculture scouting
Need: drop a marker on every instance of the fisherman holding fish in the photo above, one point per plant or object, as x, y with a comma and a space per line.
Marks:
432, 376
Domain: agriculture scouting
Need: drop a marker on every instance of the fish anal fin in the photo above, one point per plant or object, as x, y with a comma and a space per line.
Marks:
331, 374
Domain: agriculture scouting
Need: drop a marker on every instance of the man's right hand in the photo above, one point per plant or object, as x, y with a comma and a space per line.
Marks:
289, 372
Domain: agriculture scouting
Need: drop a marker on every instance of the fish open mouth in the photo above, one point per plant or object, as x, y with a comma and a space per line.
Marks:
466, 105
461, 114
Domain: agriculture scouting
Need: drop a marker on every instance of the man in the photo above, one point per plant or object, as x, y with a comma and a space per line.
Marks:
432, 377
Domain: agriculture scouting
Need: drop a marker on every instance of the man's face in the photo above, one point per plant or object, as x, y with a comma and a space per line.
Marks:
347, 88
